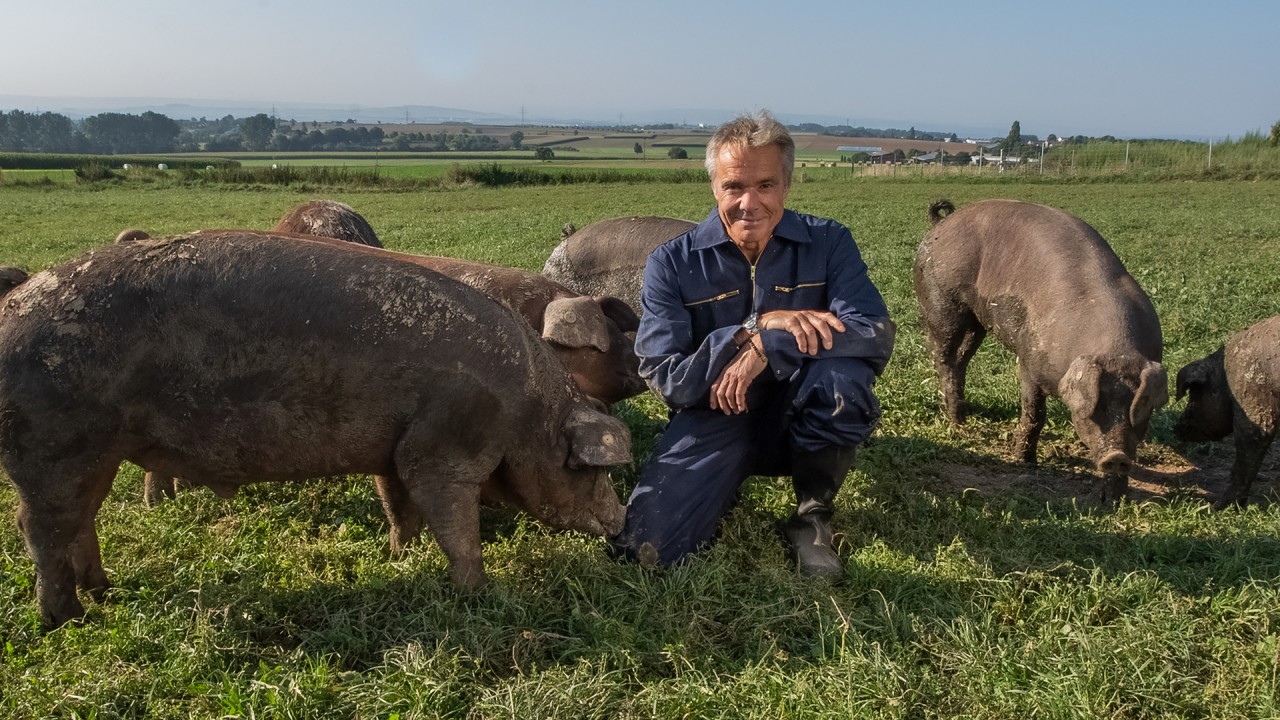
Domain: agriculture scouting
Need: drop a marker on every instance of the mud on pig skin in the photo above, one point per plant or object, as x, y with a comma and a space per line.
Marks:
232, 358
1048, 287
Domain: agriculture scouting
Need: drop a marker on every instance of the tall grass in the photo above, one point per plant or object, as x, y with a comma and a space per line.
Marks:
975, 587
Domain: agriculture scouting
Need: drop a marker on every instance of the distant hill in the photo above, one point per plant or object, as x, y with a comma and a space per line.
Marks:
78, 108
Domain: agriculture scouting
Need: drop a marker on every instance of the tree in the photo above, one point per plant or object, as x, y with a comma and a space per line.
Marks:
543, 153
517, 140
638, 148
1274, 138
257, 131
1015, 136
678, 153
120, 133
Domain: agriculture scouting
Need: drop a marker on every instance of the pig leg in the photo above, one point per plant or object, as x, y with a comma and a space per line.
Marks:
86, 558
402, 512
156, 489
1252, 443
443, 458
59, 532
452, 512
952, 346
1031, 421
44, 533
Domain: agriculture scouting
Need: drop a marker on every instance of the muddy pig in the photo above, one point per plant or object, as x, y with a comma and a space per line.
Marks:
237, 358
1235, 390
586, 334
607, 257
329, 218
1051, 290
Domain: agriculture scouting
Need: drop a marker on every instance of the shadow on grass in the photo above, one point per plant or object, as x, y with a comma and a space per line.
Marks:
1020, 518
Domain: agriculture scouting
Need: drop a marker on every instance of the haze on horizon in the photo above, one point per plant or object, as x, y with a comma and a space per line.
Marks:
1174, 69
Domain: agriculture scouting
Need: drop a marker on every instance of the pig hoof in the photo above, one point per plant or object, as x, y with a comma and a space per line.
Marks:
469, 580
1230, 500
54, 618
99, 593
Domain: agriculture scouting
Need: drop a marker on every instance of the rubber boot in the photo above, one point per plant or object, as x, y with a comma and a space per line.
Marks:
816, 476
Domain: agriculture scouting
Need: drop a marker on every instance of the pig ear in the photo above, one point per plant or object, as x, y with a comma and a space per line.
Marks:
596, 439
619, 312
1191, 375
1153, 393
1078, 388
575, 322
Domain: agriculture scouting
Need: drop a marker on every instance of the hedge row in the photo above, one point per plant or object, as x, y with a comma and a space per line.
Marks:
58, 161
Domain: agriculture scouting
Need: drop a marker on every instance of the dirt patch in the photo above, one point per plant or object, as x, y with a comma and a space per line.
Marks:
1202, 475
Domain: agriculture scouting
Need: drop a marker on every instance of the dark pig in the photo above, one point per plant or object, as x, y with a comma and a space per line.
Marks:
10, 278
232, 358
329, 218
132, 235
1235, 390
607, 257
1051, 290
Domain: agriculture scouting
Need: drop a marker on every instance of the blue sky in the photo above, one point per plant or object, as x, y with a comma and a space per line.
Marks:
1130, 69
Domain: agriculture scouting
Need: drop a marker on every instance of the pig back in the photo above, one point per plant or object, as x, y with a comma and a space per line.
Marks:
1252, 363
215, 337
608, 256
1042, 281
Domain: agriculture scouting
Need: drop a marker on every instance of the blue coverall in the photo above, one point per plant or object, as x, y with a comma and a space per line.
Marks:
698, 290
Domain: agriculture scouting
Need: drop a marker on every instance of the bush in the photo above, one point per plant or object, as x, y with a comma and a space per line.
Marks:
93, 172
678, 153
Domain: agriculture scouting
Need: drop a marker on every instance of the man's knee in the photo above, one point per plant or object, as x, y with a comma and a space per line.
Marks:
834, 403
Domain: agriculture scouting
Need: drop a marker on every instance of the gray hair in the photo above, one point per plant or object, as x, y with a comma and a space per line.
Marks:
751, 131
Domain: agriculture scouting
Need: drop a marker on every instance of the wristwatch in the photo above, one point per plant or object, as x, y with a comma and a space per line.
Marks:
751, 324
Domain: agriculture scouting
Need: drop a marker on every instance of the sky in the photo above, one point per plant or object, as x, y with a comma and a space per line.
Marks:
1090, 67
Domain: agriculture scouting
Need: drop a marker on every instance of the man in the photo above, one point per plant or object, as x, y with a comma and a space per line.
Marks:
764, 335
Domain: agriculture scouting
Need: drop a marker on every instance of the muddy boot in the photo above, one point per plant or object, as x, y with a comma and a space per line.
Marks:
816, 476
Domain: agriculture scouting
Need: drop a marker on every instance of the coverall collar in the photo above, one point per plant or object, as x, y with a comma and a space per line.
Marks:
711, 232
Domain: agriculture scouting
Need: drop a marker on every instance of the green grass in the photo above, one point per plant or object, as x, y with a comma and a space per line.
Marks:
1006, 600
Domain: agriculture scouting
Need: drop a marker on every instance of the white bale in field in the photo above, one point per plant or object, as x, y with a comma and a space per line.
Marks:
126, 166
162, 166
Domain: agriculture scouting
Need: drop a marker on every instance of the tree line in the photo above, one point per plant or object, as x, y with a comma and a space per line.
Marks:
150, 132
105, 133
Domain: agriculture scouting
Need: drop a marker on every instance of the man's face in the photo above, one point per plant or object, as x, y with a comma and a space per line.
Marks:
750, 191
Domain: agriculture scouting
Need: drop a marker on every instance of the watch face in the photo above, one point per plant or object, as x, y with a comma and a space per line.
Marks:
750, 322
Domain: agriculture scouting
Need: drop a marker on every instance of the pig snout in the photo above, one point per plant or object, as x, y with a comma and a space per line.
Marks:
596, 511
1115, 462
609, 514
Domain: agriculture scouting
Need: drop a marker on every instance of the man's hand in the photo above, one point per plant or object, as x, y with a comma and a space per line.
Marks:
810, 327
729, 391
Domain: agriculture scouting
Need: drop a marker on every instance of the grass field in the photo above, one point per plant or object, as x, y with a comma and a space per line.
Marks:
975, 587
